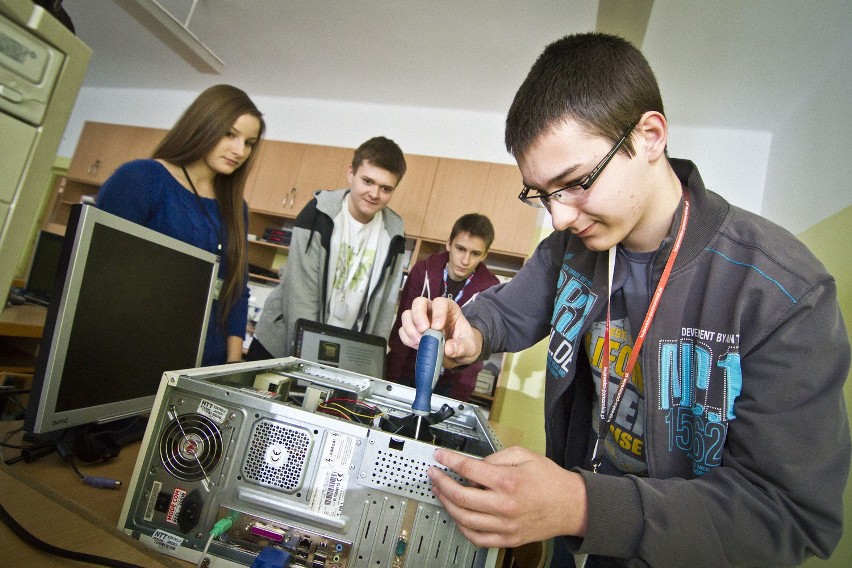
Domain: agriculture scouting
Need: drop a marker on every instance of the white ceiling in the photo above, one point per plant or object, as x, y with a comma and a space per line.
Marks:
741, 64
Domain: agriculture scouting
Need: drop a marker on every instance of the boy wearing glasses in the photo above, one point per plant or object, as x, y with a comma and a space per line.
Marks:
693, 401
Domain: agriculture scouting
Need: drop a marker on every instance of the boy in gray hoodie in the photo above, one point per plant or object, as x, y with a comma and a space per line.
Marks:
346, 257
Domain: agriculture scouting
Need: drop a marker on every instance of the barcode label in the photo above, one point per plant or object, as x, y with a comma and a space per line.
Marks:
332, 478
333, 489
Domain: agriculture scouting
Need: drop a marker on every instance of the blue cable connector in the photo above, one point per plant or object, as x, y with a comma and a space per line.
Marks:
272, 557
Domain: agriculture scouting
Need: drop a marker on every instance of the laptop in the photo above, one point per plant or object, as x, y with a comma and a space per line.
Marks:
41, 277
340, 347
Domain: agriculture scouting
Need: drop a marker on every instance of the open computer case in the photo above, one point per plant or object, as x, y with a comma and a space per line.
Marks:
315, 460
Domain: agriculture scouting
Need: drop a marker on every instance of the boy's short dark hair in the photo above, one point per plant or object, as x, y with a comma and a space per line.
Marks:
599, 80
383, 153
477, 226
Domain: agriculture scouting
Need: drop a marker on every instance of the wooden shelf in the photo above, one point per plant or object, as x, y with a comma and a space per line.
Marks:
263, 243
262, 278
482, 396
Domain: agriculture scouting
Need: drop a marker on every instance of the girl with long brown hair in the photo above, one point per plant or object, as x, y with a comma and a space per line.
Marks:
192, 189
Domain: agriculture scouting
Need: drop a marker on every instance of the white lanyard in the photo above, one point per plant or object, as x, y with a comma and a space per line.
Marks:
446, 290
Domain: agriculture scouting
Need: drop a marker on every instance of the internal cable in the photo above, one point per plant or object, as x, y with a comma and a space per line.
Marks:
351, 409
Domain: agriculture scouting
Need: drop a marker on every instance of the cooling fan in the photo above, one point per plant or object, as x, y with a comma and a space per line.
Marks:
191, 447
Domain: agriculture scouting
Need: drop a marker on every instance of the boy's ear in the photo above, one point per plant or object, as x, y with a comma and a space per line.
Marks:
653, 131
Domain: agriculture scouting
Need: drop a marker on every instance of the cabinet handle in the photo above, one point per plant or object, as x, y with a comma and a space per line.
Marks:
94, 167
292, 197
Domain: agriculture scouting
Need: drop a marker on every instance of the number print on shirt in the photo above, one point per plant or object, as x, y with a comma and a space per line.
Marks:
699, 398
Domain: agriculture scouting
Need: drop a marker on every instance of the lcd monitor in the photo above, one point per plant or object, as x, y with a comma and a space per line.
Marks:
41, 277
129, 304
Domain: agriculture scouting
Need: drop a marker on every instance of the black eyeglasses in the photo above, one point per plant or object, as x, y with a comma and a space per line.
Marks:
574, 187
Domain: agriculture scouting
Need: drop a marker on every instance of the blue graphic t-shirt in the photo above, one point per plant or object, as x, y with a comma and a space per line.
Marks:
623, 449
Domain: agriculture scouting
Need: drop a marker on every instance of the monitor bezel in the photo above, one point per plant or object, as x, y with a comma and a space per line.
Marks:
42, 416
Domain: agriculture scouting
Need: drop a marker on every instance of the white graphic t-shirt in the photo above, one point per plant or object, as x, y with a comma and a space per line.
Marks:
353, 251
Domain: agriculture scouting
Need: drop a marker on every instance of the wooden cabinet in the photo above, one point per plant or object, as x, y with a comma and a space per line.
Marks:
66, 193
104, 147
274, 177
464, 186
411, 196
100, 150
457, 189
145, 141
322, 167
288, 175
433, 193
515, 223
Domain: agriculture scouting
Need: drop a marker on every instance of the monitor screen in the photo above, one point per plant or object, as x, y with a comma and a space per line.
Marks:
340, 347
44, 266
130, 304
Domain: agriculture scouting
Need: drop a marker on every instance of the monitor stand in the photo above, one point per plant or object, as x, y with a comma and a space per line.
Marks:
87, 442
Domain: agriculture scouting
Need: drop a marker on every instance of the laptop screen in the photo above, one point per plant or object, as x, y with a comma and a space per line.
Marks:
342, 348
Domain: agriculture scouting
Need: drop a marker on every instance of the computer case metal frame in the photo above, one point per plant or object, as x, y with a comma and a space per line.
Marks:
334, 492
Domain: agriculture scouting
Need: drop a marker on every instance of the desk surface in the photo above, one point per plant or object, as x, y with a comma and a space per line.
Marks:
21, 328
22, 321
51, 502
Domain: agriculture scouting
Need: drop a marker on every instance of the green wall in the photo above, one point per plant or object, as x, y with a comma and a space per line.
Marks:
522, 391
830, 242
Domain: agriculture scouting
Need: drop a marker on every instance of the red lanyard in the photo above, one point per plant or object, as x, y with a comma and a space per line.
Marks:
606, 419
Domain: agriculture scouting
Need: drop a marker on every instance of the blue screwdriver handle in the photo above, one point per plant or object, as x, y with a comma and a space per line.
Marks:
430, 354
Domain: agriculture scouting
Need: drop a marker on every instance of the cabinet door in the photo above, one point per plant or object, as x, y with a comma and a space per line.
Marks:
275, 173
411, 196
514, 223
101, 149
458, 189
322, 167
143, 141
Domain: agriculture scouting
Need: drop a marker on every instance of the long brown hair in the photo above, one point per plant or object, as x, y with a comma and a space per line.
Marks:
201, 127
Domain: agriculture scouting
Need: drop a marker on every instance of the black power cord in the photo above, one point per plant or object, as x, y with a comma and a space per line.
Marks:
36, 542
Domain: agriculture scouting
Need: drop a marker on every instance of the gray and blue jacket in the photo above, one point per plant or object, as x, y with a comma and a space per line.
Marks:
747, 439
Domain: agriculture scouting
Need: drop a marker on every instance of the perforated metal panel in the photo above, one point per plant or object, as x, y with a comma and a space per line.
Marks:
277, 455
402, 473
